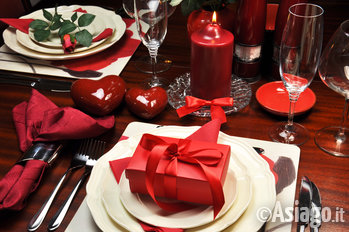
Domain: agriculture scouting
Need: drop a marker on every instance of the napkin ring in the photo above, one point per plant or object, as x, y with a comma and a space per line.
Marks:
46, 152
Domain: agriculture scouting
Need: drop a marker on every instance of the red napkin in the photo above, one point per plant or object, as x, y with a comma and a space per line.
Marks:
104, 34
41, 120
19, 182
20, 24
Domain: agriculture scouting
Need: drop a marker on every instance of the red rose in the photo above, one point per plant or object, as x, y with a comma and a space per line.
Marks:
68, 43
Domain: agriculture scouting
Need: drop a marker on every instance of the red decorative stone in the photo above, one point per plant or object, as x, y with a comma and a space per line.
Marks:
99, 97
146, 103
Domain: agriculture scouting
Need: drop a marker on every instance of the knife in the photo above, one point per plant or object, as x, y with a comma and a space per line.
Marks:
37, 83
305, 196
315, 211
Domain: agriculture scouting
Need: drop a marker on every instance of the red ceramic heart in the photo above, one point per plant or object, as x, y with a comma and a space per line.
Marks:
146, 103
98, 97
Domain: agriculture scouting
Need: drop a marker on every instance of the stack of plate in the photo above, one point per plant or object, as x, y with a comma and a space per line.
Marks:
249, 188
51, 49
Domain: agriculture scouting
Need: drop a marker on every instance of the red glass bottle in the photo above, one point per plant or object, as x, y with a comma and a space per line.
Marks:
249, 34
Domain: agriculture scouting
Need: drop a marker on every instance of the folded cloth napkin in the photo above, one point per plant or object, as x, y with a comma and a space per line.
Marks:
19, 182
41, 120
208, 133
20, 24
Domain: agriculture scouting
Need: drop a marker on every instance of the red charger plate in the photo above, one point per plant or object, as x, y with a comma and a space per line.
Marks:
273, 97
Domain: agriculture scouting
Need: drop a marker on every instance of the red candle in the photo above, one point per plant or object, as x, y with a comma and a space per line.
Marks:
211, 59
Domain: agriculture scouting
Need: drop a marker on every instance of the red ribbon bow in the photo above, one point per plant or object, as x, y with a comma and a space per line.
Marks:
180, 152
194, 104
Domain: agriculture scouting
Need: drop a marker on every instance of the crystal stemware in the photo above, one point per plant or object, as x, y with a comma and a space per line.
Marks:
151, 21
334, 72
144, 63
299, 58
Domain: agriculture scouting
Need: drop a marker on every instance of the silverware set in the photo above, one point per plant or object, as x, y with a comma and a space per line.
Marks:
309, 208
86, 156
37, 83
31, 63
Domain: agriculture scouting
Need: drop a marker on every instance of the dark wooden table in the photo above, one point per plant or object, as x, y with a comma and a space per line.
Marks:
331, 174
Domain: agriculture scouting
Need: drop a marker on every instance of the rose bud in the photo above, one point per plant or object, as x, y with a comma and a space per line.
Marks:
68, 43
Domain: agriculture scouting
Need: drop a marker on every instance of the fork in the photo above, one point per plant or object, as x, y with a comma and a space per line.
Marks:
77, 162
95, 150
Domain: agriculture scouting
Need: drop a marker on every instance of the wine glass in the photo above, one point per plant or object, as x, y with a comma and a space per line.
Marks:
151, 21
334, 72
299, 58
144, 63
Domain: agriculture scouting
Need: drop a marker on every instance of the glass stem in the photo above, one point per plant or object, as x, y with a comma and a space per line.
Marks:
153, 54
341, 136
293, 99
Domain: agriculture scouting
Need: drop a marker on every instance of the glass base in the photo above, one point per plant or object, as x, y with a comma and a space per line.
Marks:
180, 88
158, 82
250, 80
296, 135
144, 65
328, 140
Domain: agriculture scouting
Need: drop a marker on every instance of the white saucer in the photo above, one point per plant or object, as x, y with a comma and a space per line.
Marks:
146, 210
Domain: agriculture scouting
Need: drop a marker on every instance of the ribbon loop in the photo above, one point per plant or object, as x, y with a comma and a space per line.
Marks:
180, 152
193, 104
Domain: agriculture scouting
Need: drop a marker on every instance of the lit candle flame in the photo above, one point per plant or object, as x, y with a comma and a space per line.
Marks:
214, 18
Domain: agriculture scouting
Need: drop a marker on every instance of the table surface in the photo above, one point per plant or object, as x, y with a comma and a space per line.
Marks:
328, 172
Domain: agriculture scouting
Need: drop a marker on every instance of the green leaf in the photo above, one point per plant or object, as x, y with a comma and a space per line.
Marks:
47, 15
85, 20
55, 25
41, 35
84, 38
74, 17
56, 17
188, 6
38, 24
66, 28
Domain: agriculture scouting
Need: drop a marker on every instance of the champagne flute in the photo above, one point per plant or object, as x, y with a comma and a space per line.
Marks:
151, 21
299, 58
334, 72
128, 7
144, 63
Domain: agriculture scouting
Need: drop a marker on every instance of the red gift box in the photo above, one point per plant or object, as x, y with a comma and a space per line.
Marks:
185, 169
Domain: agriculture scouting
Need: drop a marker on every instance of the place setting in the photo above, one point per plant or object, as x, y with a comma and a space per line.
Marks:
113, 207
186, 155
108, 34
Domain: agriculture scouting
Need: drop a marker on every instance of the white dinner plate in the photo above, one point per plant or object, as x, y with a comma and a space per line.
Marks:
54, 45
249, 168
145, 209
262, 179
54, 40
116, 21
